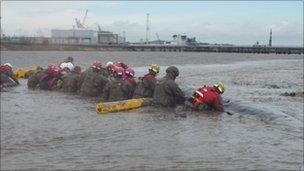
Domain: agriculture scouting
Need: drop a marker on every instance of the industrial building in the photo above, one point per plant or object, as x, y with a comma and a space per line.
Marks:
183, 40
109, 38
73, 36
80, 35
85, 37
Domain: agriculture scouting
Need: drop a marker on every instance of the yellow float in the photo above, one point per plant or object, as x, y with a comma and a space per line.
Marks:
117, 106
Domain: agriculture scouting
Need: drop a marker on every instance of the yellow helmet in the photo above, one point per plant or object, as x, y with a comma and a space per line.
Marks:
220, 86
154, 67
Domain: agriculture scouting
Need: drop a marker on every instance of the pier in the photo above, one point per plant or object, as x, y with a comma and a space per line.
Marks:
154, 48
212, 48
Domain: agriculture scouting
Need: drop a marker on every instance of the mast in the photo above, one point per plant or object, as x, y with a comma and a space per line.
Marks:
147, 29
270, 38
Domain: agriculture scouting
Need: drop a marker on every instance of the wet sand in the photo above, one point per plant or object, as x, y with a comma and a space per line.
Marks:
54, 130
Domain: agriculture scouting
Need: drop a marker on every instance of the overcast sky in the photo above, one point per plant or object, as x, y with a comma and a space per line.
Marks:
235, 22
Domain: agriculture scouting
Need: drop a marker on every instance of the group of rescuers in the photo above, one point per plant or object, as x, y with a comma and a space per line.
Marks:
116, 82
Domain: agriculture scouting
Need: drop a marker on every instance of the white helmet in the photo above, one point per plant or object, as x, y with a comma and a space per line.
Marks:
63, 65
70, 66
8, 64
109, 63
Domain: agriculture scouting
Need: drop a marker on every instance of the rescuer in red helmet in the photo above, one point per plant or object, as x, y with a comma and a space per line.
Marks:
115, 89
92, 81
207, 98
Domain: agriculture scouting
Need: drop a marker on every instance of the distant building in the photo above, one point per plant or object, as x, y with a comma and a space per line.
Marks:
108, 38
183, 40
158, 42
85, 37
179, 40
73, 36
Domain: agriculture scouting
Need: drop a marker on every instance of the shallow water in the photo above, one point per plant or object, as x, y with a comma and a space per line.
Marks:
54, 130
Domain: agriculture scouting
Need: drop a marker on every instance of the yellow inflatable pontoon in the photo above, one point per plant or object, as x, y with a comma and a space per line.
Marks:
109, 107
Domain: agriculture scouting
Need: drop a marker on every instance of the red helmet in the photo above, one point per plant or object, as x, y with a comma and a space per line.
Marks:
97, 65
121, 64
130, 72
5, 68
119, 71
51, 67
54, 68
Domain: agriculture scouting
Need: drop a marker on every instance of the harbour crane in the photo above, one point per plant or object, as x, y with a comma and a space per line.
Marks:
81, 24
84, 18
99, 28
78, 24
158, 38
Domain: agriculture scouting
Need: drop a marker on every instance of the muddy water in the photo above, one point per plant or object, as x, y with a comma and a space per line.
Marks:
54, 130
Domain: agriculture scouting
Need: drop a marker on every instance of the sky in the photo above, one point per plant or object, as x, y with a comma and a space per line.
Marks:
234, 22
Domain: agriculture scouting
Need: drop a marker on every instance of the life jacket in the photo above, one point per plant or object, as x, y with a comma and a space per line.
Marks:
130, 80
143, 90
206, 95
48, 80
148, 77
